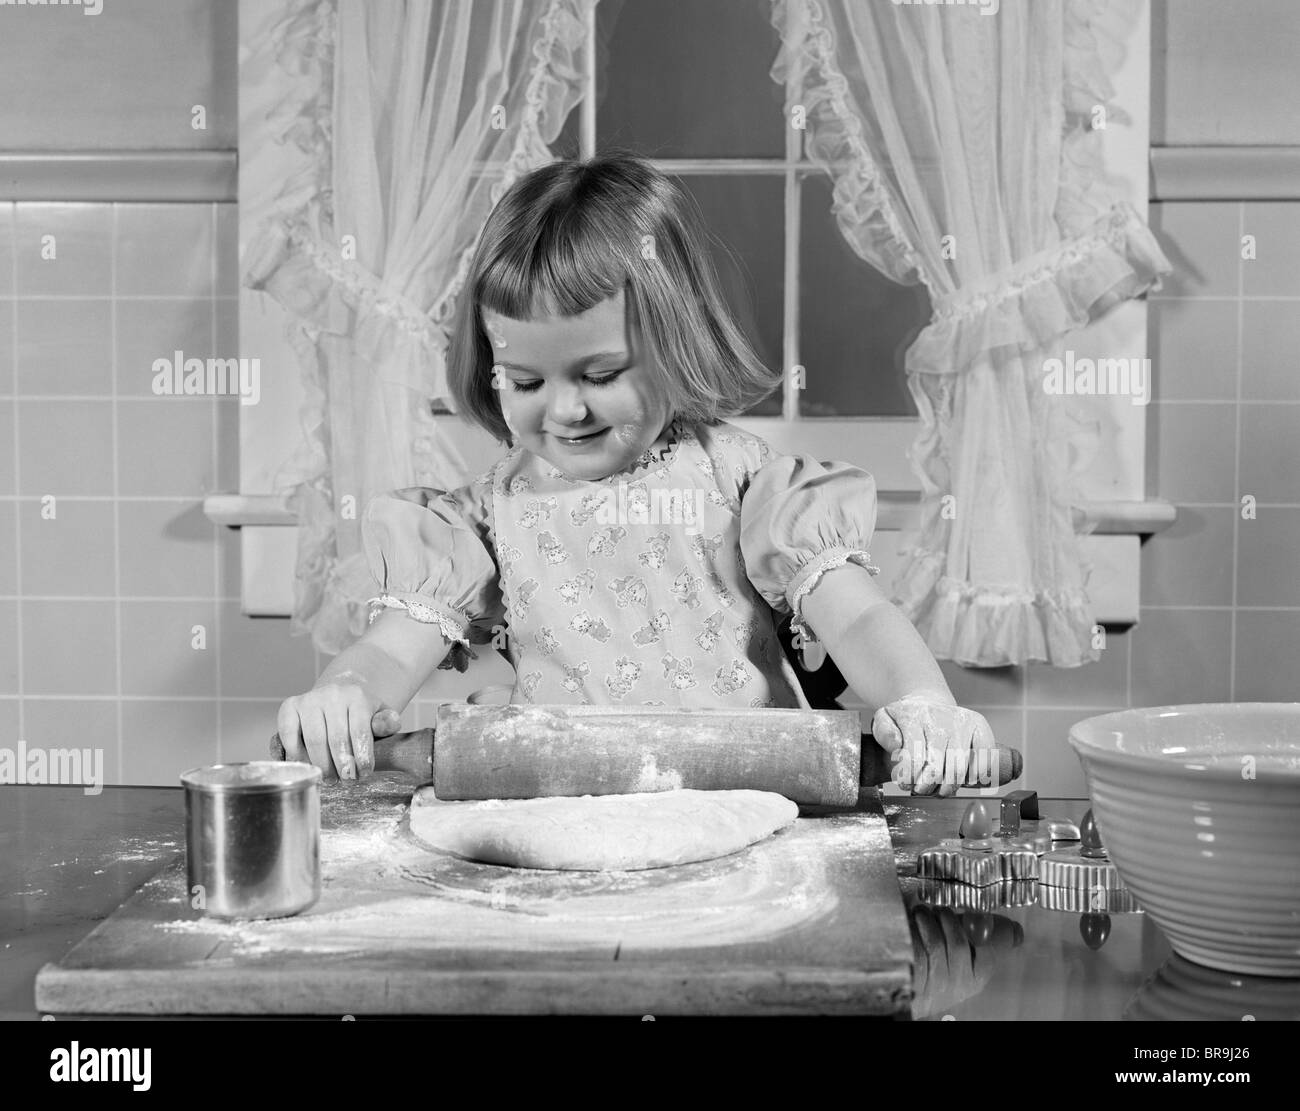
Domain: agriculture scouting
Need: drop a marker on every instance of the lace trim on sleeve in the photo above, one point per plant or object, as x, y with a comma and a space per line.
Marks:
452, 630
811, 575
461, 653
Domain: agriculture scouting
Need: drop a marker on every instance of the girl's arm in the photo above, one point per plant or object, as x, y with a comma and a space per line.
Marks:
391, 660
887, 665
331, 724
878, 651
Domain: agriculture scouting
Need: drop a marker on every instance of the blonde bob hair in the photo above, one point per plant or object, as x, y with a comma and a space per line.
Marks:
570, 235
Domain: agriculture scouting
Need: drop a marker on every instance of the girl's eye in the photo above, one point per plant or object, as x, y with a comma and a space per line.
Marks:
531, 387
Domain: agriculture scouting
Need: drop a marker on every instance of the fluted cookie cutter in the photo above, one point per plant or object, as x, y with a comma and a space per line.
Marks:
1000, 895
1082, 877
1082, 880
980, 857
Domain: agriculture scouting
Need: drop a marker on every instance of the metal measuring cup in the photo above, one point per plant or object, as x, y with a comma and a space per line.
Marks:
252, 838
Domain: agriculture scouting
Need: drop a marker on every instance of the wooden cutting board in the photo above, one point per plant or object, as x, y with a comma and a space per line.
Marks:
809, 921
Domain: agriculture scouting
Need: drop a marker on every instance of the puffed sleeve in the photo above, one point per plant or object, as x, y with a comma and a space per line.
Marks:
799, 519
428, 552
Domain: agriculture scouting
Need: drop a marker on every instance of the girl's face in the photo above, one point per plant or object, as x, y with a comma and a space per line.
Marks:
576, 390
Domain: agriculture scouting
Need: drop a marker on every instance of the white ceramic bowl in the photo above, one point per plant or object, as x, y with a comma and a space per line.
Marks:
1199, 808
1181, 991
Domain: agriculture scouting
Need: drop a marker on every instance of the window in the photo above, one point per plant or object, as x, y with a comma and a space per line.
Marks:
686, 84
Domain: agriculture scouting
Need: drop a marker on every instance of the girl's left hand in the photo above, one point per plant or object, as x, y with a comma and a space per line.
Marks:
935, 742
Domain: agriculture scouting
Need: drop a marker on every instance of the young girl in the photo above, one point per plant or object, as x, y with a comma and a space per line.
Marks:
632, 547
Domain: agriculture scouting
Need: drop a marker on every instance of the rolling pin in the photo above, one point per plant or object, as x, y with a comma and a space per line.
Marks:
815, 757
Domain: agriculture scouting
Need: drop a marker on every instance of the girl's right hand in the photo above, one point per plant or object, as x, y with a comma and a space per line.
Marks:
333, 726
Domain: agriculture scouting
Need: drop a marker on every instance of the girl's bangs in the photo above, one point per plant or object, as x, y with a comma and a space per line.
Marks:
559, 278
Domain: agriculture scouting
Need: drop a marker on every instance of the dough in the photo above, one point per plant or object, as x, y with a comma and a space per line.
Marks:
601, 832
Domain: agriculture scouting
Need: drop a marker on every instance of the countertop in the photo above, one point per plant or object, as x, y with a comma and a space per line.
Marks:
68, 859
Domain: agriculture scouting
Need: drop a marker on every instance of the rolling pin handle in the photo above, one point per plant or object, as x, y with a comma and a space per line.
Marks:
877, 766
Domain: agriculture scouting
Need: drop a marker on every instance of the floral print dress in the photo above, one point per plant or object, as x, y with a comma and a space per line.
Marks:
655, 586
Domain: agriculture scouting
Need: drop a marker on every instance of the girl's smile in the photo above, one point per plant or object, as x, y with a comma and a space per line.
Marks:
577, 390
581, 441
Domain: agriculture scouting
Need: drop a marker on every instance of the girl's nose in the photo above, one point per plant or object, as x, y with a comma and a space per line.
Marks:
566, 406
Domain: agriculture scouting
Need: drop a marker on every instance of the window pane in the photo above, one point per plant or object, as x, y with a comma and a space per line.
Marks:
854, 324
746, 214
567, 142
688, 79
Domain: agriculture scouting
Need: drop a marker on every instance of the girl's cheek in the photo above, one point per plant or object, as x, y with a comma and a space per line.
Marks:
629, 432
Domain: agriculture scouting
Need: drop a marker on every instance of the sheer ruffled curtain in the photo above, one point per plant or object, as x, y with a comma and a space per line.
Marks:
961, 154
389, 107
